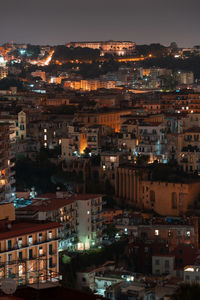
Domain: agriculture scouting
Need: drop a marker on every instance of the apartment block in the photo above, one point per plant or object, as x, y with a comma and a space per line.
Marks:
29, 251
80, 217
7, 180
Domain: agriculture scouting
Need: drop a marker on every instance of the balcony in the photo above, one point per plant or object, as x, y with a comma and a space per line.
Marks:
16, 246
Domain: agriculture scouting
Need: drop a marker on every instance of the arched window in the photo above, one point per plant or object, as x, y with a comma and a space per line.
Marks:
174, 200
152, 196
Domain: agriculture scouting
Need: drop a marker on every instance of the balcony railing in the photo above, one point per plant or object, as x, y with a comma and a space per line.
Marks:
16, 246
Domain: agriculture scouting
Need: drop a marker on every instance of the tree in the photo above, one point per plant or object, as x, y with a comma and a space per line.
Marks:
187, 292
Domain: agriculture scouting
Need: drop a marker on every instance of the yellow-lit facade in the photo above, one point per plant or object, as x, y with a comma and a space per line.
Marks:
111, 119
31, 257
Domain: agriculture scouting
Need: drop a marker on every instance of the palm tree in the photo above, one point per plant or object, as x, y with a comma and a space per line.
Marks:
187, 291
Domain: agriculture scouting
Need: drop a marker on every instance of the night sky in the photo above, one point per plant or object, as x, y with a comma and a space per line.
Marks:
59, 21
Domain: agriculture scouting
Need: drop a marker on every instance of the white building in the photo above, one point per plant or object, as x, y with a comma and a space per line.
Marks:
80, 216
192, 274
152, 141
163, 264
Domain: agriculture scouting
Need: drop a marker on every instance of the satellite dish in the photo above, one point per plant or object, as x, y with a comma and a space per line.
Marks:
8, 286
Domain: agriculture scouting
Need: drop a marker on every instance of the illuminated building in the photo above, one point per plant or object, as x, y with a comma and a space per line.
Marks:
29, 251
152, 141
192, 274
180, 103
121, 48
6, 165
90, 85
80, 216
76, 142
3, 72
185, 77
165, 198
109, 118
40, 74
96, 137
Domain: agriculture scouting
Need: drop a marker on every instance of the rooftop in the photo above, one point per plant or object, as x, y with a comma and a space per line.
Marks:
49, 202
23, 228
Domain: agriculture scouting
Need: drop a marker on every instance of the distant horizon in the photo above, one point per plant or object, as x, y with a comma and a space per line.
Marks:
97, 40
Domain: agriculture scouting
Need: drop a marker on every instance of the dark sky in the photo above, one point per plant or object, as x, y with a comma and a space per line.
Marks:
60, 21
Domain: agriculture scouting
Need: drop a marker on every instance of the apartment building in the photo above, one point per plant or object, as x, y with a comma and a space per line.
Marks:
163, 264
90, 85
80, 217
152, 141
7, 180
178, 103
174, 233
192, 274
29, 251
109, 118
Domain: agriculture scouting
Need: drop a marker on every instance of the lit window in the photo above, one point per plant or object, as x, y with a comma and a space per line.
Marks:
30, 240
188, 233
50, 235
20, 270
45, 137
156, 232
112, 159
40, 251
45, 130
88, 212
80, 246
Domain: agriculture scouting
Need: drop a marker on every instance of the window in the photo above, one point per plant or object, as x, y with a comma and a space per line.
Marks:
40, 251
30, 240
50, 235
19, 242
20, 256
188, 233
157, 262
166, 264
30, 253
50, 262
152, 196
174, 200
40, 237
156, 232
50, 249
9, 257
9, 244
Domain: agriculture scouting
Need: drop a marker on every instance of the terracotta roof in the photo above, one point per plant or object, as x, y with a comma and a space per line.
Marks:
23, 228
49, 204
52, 203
